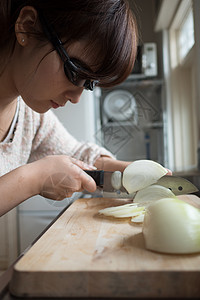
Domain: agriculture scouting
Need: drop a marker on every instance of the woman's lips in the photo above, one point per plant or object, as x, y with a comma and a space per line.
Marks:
56, 105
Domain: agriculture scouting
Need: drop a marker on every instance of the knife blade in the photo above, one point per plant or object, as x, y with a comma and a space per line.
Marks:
110, 183
178, 185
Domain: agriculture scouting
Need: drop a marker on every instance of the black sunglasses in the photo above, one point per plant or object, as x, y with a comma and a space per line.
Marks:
76, 74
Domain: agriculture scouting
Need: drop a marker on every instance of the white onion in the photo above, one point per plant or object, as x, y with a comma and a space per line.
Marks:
122, 211
139, 218
116, 180
172, 226
142, 173
142, 199
152, 193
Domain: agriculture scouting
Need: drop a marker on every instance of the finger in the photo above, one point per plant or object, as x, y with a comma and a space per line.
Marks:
88, 182
83, 165
169, 172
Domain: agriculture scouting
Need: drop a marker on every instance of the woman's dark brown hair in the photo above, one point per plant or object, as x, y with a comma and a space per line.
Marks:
108, 26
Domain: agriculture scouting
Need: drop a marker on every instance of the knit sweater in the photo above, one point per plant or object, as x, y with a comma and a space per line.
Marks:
38, 135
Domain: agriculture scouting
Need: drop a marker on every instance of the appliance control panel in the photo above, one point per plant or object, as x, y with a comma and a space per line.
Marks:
149, 59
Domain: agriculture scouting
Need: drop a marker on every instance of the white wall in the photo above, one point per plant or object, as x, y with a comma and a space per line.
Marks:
79, 119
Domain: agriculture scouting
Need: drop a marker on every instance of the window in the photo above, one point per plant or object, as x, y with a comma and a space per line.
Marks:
185, 36
179, 21
182, 88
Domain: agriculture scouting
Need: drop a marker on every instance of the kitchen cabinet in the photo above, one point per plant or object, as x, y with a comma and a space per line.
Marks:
3, 248
8, 237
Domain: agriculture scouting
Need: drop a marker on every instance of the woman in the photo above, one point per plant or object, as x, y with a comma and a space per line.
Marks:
50, 51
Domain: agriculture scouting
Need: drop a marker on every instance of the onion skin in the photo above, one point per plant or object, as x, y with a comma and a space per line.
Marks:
172, 226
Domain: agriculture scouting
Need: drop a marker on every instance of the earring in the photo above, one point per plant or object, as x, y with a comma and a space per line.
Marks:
23, 40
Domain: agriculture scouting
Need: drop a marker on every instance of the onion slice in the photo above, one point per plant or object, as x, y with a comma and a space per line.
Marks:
142, 173
139, 218
153, 193
172, 226
122, 211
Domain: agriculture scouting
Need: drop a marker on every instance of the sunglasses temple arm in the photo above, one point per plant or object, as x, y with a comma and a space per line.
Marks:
53, 38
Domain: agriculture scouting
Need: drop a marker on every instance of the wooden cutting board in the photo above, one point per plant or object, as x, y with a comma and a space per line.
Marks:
84, 254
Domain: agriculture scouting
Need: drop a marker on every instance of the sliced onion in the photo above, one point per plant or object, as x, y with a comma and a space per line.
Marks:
139, 218
172, 226
122, 211
153, 193
142, 173
119, 207
143, 197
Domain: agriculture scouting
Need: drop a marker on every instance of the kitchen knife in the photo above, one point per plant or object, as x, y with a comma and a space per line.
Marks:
110, 183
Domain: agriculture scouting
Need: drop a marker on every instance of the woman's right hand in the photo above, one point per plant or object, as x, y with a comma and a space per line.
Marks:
59, 176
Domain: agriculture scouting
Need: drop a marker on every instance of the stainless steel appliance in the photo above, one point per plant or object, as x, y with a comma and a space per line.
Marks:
132, 123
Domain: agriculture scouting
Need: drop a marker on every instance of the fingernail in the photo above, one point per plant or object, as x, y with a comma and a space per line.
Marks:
92, 167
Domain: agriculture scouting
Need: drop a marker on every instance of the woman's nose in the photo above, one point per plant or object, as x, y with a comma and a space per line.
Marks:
75, 95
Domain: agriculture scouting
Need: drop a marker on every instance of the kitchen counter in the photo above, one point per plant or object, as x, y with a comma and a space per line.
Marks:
86, 255
6, 277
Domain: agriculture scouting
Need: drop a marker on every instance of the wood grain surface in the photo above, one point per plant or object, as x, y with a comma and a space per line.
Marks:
85, 254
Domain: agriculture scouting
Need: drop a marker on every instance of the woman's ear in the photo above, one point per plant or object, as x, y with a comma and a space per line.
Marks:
25, 24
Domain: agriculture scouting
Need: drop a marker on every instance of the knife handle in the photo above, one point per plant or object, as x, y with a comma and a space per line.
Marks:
97, 175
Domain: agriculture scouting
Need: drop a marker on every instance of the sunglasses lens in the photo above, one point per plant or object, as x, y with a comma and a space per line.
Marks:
73, 76
89, 85
78, 80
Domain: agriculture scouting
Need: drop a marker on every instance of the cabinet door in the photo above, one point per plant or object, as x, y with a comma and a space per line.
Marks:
8, 239
3, 244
